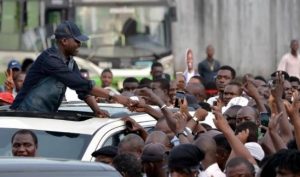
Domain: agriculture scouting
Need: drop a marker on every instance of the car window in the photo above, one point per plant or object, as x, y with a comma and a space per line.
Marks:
50, 144
115, 139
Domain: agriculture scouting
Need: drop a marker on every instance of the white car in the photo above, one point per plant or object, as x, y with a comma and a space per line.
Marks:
33, 167
70, 134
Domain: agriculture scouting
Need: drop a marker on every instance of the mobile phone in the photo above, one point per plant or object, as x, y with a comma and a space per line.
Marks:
179, 97
264, 118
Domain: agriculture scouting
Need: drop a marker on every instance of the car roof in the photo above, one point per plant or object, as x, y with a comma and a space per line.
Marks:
22, 164
88, 126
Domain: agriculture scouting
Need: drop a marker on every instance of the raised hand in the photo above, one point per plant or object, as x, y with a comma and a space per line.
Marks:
181, 120
293, 109
201, 114
243, 135
9, 82
273, 122
250, 88
220, 122
277, 90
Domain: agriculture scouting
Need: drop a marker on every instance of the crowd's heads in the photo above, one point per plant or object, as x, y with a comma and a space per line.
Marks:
161, 88
154, 159
19, 80
208, 145
159, 137
185, 159
232, 90
69, 29
157, 70
69, 38
224, 75
106, 78
14, 66
223, 150
294, 45
24, 143
130, 84
230, 114
283, 163
239, 166
295, 82
132, 144
128, 165
253, 130
210, 51
153, 152
247, 113
26, 64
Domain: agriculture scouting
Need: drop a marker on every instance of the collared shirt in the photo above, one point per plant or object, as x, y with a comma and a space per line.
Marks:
51, 63
290, 64
188, 75
214, 171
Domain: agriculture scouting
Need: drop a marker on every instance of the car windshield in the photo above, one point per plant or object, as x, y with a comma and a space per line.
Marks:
123, 31
62, 148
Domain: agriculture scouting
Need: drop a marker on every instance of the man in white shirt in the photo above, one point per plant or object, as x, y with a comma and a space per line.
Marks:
290, 62
208, 145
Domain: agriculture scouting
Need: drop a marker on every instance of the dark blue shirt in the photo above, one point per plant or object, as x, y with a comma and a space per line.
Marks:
208, 70
51, 63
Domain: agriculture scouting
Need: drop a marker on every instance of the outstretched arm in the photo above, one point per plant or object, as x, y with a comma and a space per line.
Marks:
238, 148
91, 101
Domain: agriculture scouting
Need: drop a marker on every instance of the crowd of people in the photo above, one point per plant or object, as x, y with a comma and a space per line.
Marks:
256, 121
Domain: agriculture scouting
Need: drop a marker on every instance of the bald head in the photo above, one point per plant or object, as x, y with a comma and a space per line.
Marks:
198, 90
207, 144
159, 137
131, 144
247, 113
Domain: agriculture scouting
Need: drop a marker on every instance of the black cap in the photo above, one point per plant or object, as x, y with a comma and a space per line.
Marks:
185, 156
110, 151
68, 29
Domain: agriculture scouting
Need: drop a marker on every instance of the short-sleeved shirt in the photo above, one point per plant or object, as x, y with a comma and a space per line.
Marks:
290, 64
52, 63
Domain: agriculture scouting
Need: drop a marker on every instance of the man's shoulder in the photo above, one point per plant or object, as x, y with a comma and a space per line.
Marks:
286, 56
203, 62
52, 52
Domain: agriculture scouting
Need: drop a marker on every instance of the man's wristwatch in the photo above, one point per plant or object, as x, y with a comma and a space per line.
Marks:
181, 133
111, 95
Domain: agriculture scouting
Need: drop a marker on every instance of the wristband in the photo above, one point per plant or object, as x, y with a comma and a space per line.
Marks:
195, 119
187, 131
